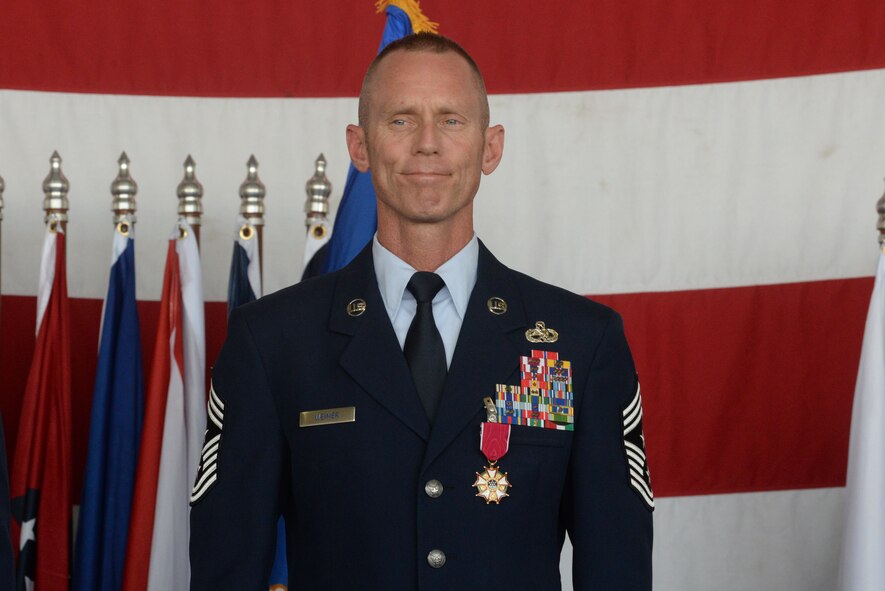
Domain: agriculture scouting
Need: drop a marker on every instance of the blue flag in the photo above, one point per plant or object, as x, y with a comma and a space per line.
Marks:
244, 282
357, 216
114, 433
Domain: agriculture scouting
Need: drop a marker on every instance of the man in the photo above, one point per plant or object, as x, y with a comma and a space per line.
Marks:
352, 404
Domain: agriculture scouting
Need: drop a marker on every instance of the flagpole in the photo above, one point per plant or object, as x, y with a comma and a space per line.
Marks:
318, 189
55, 195
316, 210
123, 189
190, 197
252, 192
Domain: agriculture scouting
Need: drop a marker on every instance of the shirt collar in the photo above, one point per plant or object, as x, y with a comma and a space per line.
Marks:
393, 274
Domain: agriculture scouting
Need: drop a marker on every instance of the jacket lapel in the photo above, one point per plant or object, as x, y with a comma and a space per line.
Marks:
373, 357
487, 353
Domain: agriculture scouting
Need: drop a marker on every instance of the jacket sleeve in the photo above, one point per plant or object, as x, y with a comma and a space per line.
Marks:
239, 487
608, 506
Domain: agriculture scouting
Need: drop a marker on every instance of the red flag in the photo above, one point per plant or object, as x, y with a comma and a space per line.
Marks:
168, 345
40, 486
174, 426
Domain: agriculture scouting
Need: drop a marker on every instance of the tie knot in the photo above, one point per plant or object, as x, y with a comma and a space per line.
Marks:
424, 285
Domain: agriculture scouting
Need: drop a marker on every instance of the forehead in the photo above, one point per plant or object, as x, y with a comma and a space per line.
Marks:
406, 76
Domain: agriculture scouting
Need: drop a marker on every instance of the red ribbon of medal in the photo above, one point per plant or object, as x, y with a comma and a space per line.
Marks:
494, 441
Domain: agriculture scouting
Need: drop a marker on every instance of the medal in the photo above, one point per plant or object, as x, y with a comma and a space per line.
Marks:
494, 440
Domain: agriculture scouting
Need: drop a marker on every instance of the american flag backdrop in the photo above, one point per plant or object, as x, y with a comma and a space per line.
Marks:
709, 169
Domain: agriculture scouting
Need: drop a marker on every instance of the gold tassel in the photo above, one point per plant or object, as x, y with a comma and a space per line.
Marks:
420, 22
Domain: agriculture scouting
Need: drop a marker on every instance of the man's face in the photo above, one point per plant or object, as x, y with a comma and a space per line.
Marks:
424, 138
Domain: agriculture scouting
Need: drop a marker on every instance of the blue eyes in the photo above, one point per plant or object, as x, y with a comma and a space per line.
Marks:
446, 122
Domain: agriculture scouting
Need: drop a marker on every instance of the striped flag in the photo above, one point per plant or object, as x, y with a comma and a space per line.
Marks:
40, 485
174, 425
704, 169
863, 548
114, 429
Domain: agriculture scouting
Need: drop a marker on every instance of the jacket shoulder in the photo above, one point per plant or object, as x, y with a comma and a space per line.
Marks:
539, 296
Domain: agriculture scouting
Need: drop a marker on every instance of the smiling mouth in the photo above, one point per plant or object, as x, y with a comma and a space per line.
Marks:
424, 177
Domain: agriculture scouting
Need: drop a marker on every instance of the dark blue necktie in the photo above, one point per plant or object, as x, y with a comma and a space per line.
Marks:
424, 348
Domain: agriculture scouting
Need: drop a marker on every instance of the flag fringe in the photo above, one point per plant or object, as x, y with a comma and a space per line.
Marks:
420, 22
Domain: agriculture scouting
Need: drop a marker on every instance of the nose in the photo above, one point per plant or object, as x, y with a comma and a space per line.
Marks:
427, 139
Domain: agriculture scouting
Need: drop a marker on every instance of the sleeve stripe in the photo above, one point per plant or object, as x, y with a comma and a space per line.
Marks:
639, 485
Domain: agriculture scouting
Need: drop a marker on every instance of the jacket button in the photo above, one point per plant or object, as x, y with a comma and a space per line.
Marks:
433, 488
436, 558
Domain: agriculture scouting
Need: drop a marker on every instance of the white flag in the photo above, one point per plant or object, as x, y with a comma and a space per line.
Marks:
863, 548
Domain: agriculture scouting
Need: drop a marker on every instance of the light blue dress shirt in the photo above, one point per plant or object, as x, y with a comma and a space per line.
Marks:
449, 305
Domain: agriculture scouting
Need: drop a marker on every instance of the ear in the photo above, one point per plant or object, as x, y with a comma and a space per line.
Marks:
356, 146
493, 149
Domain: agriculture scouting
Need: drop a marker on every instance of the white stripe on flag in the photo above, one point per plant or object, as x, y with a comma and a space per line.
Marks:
771, 541
600, 192
47, 274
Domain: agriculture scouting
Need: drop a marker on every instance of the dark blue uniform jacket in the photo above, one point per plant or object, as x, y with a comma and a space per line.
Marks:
353, 494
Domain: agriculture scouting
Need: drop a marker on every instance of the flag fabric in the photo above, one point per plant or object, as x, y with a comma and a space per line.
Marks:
708, 170
316, 247
244, 281
863, 547
114, 430
7, 562
174, 425
40, 485
357, 215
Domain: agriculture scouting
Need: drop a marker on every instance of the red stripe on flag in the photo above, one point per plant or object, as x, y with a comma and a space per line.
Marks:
141, 523
789, 395
43, 449
749, 388
283, 48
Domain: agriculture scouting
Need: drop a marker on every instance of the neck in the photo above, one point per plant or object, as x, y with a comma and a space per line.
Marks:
424, 246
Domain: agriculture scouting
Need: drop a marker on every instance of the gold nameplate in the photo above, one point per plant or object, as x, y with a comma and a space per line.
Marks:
327, 416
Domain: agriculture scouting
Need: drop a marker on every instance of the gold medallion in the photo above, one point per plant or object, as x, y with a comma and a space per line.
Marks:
492, 484
541, 334
356, 307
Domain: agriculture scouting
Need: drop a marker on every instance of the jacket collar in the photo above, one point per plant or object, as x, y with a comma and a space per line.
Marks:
487, 352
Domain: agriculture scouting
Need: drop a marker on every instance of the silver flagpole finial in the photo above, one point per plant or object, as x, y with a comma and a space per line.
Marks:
318, 189
123, 189
190, 194
252, 193
880, 224
55, 192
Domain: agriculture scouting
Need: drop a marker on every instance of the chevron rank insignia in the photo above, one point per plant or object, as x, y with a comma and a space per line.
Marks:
634, 448
207, 473
544, 395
